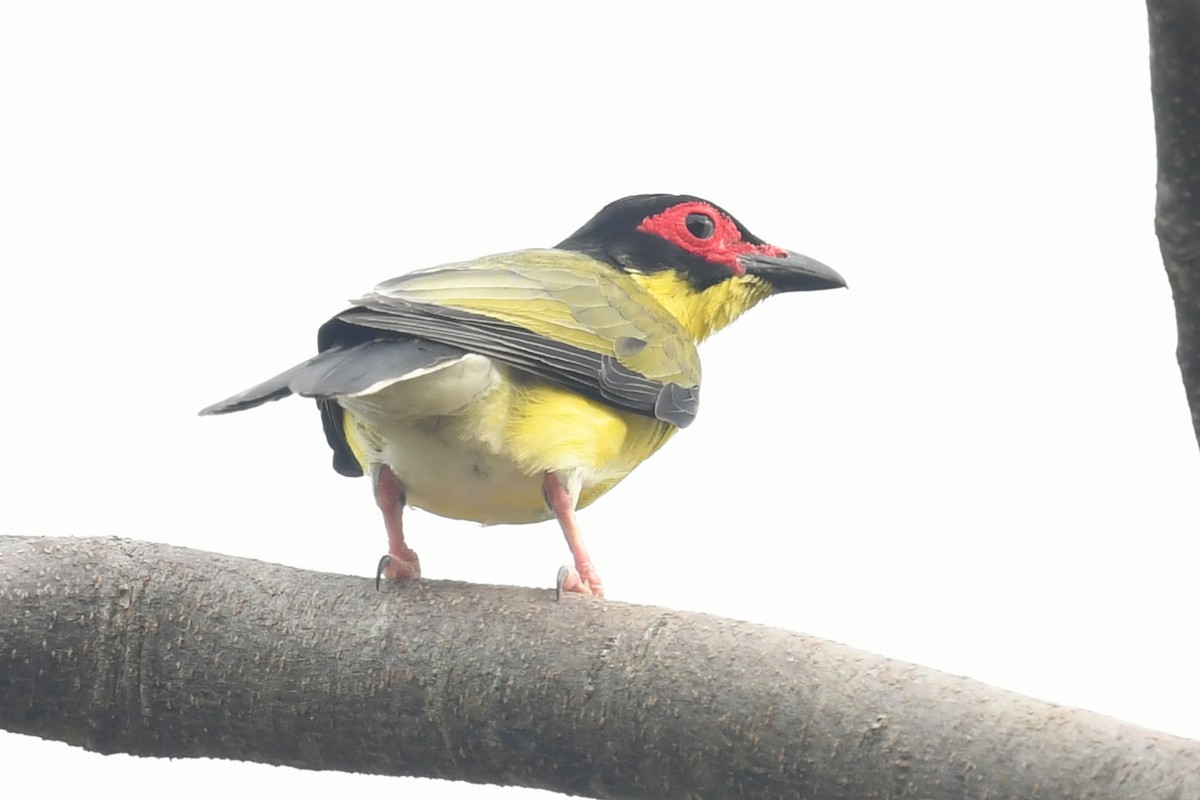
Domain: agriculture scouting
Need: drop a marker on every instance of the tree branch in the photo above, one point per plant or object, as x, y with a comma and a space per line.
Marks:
123, 646
1175, 88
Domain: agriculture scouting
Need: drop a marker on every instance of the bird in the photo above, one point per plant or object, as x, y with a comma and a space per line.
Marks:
522, 386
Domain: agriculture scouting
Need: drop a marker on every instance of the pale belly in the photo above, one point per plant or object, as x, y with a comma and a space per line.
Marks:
467, 444
461, 479
442, 434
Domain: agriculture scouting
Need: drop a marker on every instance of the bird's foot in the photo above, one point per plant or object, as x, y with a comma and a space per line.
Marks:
570, 580
400, 566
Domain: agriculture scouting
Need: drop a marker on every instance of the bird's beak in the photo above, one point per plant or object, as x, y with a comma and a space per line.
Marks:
791, 272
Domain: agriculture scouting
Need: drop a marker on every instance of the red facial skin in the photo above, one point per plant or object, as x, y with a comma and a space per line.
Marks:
722, 247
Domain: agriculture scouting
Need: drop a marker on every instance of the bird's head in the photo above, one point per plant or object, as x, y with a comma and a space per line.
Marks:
697, 260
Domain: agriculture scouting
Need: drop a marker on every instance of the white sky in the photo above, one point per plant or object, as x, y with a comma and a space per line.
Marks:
978, 458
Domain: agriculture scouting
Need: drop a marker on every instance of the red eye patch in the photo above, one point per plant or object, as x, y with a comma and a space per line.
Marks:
722, 247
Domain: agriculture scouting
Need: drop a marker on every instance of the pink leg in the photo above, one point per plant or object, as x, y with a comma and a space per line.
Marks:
400, 563
583, 579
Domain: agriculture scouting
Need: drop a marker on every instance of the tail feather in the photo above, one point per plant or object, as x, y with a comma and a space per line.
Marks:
341, 371
368, 365
271, 389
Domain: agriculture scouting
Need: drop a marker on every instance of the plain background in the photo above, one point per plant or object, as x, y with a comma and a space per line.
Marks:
978, 458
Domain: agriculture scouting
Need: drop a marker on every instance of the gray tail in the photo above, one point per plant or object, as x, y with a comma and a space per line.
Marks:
273, 389
342, 371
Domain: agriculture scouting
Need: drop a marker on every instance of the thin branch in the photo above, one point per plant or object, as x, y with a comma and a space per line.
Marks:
123, 646
1175, 88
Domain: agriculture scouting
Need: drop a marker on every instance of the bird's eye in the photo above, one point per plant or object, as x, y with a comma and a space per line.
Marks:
700, 225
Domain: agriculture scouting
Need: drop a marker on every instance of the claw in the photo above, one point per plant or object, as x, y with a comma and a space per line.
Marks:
402, 566
383, 565
560, 582
570, 580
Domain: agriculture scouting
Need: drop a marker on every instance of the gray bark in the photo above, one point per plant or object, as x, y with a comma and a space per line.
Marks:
1175, 89
123, 646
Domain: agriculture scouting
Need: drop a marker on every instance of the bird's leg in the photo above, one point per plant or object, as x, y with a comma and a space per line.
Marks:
401, 562
583, 579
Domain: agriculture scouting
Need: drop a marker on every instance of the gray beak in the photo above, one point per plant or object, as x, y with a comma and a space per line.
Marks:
792, 272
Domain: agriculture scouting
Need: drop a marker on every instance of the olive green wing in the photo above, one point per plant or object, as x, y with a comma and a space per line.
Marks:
562, 316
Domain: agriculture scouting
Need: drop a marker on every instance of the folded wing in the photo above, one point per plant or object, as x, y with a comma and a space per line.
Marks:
559, 315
